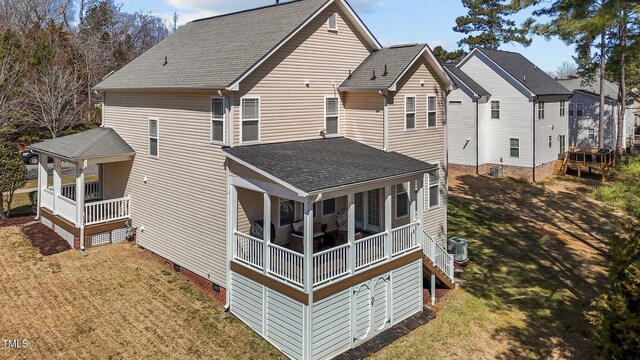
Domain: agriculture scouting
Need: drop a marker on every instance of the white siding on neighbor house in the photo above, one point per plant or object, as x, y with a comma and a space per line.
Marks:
332, 325
182, 205
461, 120
426, 144
406, 291
516, 110
552, 125
247, 301
284, 323
289, 109
579, 126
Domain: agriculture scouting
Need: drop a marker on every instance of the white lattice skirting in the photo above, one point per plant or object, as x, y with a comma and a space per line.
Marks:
46, 222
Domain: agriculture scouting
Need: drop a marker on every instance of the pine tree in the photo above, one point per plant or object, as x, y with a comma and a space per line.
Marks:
445, 56
487, 24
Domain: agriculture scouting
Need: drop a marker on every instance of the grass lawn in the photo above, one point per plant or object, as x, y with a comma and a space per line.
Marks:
537, 266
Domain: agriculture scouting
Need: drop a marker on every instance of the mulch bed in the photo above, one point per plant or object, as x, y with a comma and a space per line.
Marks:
44, 239
441, 294
16, 221
388, 336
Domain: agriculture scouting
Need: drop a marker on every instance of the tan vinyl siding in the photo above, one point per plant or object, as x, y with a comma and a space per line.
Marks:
183, 204
365, 116
289, 109
114, 179
423, 144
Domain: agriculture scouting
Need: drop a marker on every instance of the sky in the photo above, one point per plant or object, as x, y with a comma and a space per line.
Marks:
414, 21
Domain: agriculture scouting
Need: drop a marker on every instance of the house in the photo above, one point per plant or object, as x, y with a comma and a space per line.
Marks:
506, 116
281, 158
584, 113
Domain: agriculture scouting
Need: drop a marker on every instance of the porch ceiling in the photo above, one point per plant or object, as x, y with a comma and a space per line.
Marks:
313, 166
96, 143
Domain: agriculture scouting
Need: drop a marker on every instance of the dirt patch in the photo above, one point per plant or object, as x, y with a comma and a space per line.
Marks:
47, 241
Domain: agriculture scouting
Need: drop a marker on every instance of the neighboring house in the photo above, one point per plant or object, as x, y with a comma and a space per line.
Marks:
291, 115
584, 113
505, 113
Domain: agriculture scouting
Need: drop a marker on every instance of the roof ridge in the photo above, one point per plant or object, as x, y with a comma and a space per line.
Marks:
248, 10
91, 143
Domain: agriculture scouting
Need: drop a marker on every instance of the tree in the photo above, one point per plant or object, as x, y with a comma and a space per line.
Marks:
10, 76
13, 174
489, 20
566, 70
445, 56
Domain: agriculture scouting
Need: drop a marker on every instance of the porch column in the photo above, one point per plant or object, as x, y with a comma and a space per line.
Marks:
387, 222
57, 182
307, 335
233, 223
43, 178
351, 231
420, 216
80, 167
412, 191
266, 232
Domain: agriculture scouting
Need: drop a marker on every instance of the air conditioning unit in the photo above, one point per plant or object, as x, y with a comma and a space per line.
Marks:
496, 171
458, 247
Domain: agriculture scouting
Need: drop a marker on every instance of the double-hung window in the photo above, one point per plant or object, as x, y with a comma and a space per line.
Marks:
250, 119
579, 110
563, 105
540, 109
514, 148
571, 109
410, 113
434, 189
217, 120
495, 109
402, 200
432, 111
331, 115
154, 132
591, 134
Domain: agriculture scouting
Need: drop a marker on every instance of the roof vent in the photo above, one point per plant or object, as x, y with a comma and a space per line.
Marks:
524, 77
374, 75
385, 70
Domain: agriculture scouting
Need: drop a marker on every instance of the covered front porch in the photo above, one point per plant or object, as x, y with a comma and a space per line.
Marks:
85, 213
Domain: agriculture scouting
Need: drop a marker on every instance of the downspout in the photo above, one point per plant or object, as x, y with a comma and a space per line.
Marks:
533, 122
385, 121
478, 135
446, 163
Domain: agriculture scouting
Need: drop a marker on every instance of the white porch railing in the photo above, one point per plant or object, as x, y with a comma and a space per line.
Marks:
330, 264
46, 199
107, 210
91, 190
249, 250
66, 208
370, 250
404, 238
439, 256
286, 264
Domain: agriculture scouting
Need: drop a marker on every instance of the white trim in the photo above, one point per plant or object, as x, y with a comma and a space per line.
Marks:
491, 109
434, 110
563, 108
452, 75
333, 15
510, 147
157, 137
258, 119
406, 188
443, 74
373, 42
428, 192
224, 121
540, 102
275, 179
338, 115
591, 133
415, 112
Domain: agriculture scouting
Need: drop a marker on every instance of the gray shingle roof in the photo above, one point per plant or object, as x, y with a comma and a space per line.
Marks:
90, 144
396, 58
213, 53
315, 165
525, 72
610, 89
460, 76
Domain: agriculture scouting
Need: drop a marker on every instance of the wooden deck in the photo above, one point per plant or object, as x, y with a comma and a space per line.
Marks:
591, 159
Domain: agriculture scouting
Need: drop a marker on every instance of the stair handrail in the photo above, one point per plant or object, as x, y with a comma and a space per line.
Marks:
564, 162
432, 249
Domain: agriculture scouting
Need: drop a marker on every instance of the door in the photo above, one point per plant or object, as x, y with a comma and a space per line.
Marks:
379, 304
370, 308
368, 210
362, 312
563, 145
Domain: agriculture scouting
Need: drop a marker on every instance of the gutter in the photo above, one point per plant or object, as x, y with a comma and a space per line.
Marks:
533, 123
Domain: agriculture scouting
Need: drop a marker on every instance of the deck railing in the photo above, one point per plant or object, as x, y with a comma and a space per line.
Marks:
404, 239
286, 264
46, 199
66, 208
91, 190
107, 210
439, 256
330, 264
249, 250
370, 250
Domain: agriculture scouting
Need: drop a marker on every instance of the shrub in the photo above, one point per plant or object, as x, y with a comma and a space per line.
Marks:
33, 199
13, 174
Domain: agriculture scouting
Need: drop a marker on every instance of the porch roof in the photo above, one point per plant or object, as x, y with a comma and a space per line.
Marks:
322, 164
95, 143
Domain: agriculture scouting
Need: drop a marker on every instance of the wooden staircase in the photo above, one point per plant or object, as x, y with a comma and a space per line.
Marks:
430, 267
438, 261
560, 166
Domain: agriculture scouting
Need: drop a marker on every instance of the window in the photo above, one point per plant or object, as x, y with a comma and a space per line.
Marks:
217, 120
550, 141
331, 115
402, 200
495, 109
286, 212
328, 207
563, 105
250, 119
514, 147
410, 113
432, 111
332, 22
591, 134
434, 189
579, 110
153, 137
571, 109
540, 109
